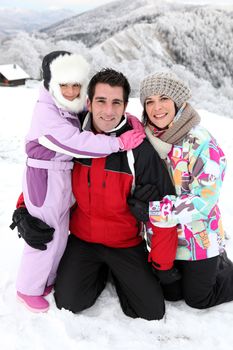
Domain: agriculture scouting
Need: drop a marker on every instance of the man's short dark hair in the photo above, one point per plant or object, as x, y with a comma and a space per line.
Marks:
111, 77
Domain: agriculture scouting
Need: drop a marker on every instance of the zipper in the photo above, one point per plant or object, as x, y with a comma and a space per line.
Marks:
88, 178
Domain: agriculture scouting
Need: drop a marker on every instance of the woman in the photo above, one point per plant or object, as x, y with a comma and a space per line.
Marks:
197, 165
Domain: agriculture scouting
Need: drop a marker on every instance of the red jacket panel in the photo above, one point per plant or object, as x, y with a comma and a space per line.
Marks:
20, 201
102, 215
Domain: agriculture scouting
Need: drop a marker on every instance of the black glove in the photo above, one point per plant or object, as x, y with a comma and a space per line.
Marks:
147, 193
166, 276
139, 201
139, 209
34, 231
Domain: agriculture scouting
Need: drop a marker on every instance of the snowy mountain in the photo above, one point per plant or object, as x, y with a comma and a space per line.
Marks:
187, 34
139, 37
15, 19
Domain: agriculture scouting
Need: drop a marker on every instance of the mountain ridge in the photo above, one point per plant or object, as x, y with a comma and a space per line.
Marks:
139, 37
17, 19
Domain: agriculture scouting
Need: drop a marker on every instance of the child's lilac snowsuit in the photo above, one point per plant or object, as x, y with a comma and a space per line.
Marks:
53, 140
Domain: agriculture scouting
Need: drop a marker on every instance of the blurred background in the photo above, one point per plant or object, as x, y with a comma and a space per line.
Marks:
193, 37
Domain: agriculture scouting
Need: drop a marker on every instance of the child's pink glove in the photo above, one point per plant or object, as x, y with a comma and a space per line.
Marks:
130, 139
135, 122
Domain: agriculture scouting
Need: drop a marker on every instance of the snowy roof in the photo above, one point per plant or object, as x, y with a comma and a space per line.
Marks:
13, 72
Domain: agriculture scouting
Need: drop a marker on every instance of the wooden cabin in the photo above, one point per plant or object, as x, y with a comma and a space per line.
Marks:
12, 75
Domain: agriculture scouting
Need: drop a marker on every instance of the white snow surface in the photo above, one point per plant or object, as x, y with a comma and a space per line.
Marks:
103, 326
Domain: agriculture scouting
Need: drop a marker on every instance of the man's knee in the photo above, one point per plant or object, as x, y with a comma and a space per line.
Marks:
156, 313
72, 302
157, 309
149, 315
149, 311
196, 304
76, 297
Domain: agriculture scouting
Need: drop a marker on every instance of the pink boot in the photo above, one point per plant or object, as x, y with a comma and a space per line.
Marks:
47, 290
33, 303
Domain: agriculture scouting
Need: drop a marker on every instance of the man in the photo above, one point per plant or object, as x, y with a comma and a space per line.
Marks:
105, 237
104, 234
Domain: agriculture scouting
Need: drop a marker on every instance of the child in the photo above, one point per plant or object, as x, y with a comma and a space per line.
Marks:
53, 140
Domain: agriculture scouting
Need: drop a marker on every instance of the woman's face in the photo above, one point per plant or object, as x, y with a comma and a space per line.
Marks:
160, 110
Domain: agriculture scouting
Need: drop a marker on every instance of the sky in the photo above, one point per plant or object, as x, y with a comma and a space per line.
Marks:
84, 5
218, 2
76, 5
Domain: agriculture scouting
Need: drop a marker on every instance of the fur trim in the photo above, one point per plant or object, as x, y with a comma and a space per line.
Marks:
69, 69
76, 106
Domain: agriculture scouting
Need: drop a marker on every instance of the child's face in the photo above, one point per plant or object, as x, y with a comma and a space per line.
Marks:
70, 91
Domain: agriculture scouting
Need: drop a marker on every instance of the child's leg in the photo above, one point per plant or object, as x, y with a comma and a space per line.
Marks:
36, 265
62, 233
62, 229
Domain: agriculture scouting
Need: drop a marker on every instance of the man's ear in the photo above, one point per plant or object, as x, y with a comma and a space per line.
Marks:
89, 105
126, 104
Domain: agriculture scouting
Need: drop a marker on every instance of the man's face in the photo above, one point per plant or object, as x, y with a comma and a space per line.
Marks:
107, 107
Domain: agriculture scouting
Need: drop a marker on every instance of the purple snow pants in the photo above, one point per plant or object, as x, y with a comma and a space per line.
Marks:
48, 196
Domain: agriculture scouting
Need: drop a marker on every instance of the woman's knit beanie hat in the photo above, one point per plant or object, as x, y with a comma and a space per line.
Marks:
164, 83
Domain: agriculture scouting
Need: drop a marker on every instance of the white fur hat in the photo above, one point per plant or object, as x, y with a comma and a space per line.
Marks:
68, 69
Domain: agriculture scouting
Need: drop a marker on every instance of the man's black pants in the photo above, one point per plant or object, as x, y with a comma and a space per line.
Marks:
83, 272
204, 283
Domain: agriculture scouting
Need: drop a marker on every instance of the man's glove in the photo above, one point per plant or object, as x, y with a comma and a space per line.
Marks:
166, 276
139, 209
139, 201
34, 231
147, 193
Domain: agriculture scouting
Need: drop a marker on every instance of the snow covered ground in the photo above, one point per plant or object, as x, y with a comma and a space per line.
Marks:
103, 326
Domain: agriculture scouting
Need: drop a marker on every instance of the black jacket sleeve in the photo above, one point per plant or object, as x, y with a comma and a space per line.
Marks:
151, 169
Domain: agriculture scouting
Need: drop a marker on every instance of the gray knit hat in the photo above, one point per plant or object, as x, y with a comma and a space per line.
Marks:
164, 83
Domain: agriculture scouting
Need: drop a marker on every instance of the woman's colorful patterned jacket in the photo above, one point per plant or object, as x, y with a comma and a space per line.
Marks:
197, 167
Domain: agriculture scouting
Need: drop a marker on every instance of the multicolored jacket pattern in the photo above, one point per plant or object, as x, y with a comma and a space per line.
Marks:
197, 167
